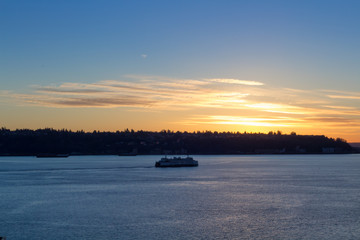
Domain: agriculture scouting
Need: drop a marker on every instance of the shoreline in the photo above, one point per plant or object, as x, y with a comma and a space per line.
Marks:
198, 154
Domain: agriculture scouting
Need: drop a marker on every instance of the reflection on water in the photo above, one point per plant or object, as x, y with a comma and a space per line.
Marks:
226, 197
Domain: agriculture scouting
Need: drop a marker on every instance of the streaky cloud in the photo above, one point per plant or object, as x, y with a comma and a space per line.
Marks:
344, 97
104, 102
235, 81
330, 119
143, 87
225, 101
70, 91
244, 121
340, 107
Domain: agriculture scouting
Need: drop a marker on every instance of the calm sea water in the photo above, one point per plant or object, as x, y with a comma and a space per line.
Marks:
226, 197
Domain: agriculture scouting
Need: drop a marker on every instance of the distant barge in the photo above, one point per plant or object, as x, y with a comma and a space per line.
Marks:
177, 162
45, 155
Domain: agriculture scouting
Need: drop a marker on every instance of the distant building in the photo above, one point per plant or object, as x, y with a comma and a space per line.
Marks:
328, 150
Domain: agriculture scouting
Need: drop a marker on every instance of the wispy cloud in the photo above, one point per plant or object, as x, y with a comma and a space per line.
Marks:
345, 97
104, 102
225, 101
245, 121
277, 108
340, 107
235, 81
83, 101
338, 94
69, 91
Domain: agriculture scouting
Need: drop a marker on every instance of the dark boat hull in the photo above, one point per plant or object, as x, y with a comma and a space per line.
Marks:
176, 162
174, 166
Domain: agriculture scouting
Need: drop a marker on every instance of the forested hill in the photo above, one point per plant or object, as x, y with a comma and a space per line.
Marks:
50, 141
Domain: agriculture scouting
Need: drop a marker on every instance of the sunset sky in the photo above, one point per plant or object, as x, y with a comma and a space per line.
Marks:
254, 66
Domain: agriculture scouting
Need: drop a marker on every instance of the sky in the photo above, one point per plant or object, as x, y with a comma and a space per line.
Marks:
254, 66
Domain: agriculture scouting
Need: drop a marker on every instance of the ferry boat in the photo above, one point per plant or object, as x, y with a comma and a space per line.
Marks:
177, 162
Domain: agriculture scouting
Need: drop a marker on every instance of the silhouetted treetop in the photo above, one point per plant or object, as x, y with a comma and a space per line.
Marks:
48, 140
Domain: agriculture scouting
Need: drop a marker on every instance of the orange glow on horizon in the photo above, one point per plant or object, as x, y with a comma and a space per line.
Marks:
154, 103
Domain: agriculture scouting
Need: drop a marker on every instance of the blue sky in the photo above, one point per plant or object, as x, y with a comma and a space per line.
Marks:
300, 45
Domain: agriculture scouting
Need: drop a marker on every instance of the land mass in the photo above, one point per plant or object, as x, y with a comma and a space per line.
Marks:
47, 142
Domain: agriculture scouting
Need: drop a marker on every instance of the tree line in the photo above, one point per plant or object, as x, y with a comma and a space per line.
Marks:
130, 142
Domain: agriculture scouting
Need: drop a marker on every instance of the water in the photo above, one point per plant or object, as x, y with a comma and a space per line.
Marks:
226, 197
